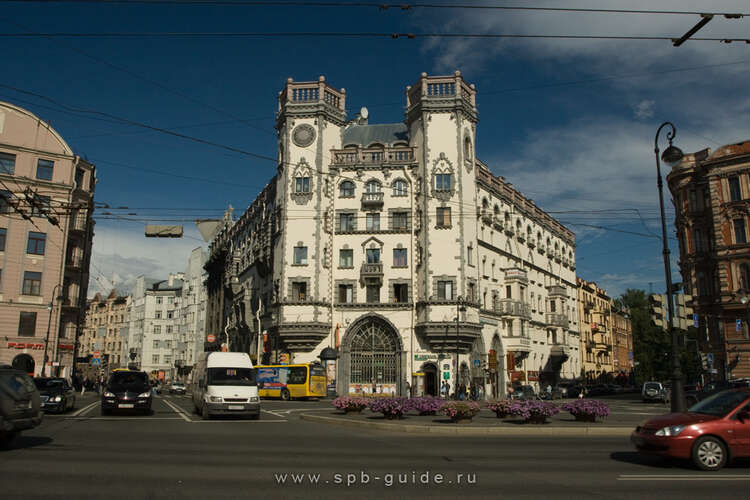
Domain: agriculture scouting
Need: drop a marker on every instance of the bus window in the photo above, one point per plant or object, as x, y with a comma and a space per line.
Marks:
297, 375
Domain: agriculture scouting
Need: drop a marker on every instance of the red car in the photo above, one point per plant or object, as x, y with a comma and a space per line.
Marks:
710, 433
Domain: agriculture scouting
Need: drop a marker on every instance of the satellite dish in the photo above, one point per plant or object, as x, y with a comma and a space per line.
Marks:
364, 113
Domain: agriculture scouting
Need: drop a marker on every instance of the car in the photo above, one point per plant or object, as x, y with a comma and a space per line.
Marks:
523, 392
20, 404
615, 389
177, 388
564, 387
127, 390
710, 433
56, 394
599, 390
654, 391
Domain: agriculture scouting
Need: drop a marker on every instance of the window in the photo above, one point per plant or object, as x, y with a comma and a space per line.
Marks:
400, 293
32, 283
346, 294
36, 243
739, 231
155, 358
302, 185
373, 293
80, 174
44, 169
745, 276
372, 187
297, 375
445, 290
5, 197
158, 314
508, 292
400, 221
169, 328
373, 222
27, 324
169, 314
470, 254
158, 300
472, 292
157, 329
300, 256
156, 344
3, 234
299, 291
373, 256
346, 257
735, 192
399, 257
443, 217
346, 189
443, 182
552, 306
41, 206
399, 187
170, 300
7, 163
697, 240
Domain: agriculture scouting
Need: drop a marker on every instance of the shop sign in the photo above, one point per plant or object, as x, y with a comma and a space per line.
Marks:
515, 273
65, 347
22, 345
533, 376
517, 376
425, 357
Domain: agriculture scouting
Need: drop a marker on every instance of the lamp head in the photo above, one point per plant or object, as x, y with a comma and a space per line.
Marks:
672, 155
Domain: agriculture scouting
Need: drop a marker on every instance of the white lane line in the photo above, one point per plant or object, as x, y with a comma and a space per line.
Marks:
85, 409
178, 411
273, 413
261, 421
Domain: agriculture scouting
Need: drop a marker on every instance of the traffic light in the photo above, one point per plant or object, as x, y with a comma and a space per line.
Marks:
656, 310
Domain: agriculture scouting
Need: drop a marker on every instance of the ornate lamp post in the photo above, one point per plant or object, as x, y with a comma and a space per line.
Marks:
50, 308
459, 309
671, 156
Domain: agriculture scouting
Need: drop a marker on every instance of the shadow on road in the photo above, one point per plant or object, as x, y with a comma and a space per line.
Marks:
633, 457
22, 442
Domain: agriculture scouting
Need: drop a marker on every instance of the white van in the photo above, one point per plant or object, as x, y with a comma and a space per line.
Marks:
225, 384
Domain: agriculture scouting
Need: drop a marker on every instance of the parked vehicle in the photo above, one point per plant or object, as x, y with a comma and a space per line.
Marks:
653, 391
20, 404
575, 390
225, 385
292, 381
127, 390
56, 394
523, 392
177, 388
710, 433
599, 390
564, 387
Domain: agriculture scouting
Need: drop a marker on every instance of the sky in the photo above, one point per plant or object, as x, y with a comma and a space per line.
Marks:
570, 122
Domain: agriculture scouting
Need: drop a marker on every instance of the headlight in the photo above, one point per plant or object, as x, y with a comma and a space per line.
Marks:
57, 399
215, 399
145, 394
108, 394
672, 430
254, 399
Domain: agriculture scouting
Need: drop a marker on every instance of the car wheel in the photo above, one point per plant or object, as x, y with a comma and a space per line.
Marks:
285, 396
709, 453
205, 415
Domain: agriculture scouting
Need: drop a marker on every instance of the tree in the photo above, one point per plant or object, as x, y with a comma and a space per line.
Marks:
651, 345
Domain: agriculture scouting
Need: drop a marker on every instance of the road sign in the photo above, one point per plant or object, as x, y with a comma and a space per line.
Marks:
446, 376
695, 320
739, 325
211, 338
710, 358
97, 354
96, 361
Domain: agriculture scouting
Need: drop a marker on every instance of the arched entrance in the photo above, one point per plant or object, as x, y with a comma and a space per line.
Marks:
372, 354
430, 371
25, 363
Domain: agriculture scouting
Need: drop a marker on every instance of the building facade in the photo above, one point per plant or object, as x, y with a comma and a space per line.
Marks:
597, 349
393, 247
46, 230
711, 193
192, 315
102, 336
622, 345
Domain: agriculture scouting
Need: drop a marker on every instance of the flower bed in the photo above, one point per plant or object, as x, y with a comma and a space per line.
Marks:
460, 410
501, 407
350, 404
390, 407
587, 410
426, 405
535, 412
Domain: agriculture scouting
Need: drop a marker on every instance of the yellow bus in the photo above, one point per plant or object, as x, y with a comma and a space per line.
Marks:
292, 381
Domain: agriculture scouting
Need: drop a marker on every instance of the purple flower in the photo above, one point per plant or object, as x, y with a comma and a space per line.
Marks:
390, 407
532, 410
425, 404
348, 403
587, 407
460, 409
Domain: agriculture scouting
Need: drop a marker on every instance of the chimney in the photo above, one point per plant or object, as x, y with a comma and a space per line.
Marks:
170, 281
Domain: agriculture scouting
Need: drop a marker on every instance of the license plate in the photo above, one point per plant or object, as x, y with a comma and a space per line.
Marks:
126, 405
235, 407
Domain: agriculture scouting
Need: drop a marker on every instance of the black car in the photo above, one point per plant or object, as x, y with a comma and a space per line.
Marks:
127, 390
20, 406
56, 394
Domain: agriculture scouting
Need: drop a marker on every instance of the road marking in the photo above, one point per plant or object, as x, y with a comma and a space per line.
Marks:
683, 477
178, 411
273, 413
85, 409
133, 418
261, 421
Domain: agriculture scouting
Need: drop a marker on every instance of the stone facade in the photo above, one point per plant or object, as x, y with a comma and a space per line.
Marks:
46, 230
105, 319
622, 338
711, 192
395, 246
597, 348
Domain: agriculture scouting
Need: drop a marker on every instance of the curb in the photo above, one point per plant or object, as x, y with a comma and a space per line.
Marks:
530, 431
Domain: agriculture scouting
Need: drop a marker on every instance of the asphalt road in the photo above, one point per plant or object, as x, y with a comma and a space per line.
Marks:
173, 454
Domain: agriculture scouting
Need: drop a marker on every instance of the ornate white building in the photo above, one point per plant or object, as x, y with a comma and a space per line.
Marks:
372, 239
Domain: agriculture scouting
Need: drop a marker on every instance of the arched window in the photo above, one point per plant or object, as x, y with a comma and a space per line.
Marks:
346, 189
467, 148
372, 187
374, 354
745, 276
400, 187
485, 204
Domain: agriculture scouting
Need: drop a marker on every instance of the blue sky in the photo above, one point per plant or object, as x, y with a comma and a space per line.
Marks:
570, 123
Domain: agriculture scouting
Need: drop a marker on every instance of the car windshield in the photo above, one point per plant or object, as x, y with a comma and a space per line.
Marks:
48, 383
231, 376
652, 385
128, 379
720, 404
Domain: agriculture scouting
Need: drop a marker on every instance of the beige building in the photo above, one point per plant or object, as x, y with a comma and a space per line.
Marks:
105, 319
394, 250
46, 200
597, 351
622, 338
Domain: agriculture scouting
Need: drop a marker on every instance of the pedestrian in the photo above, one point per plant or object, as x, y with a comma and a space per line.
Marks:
442, 390
447, 389
549, 391
374, 386
473, 392
462, 392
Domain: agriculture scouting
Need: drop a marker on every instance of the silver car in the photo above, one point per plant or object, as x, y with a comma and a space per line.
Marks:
653, 391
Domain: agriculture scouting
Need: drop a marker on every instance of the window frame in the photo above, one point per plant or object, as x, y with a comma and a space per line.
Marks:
297, 258
350, 259
396, 221
442, 220
372, 221
3, 238
404, 257
49, 166
32, 282
7, 160
33, 236
299, 291
444, 181
347, 291
374, 252
444, 289
30, 320
400, 188
735, 188
344, 189
739, 230
302, 185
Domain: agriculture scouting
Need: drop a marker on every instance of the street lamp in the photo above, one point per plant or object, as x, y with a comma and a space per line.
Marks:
459, 309
50, 307
671, 156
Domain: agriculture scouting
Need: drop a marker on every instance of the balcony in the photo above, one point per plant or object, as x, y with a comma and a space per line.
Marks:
372, 201
558, 257
557, 319
513, 275
371, 274
541, 249
557, 291
486, 217
399, 155
559, 350
513, 307
517, 344
498, 223
531, 242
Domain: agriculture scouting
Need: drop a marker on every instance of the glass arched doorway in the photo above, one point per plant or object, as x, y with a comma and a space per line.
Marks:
375, 357
24, 363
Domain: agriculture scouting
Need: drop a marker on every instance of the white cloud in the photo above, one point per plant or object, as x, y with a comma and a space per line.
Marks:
644, 109
122, 253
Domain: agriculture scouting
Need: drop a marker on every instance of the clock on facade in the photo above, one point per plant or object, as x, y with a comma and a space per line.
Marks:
303, 135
